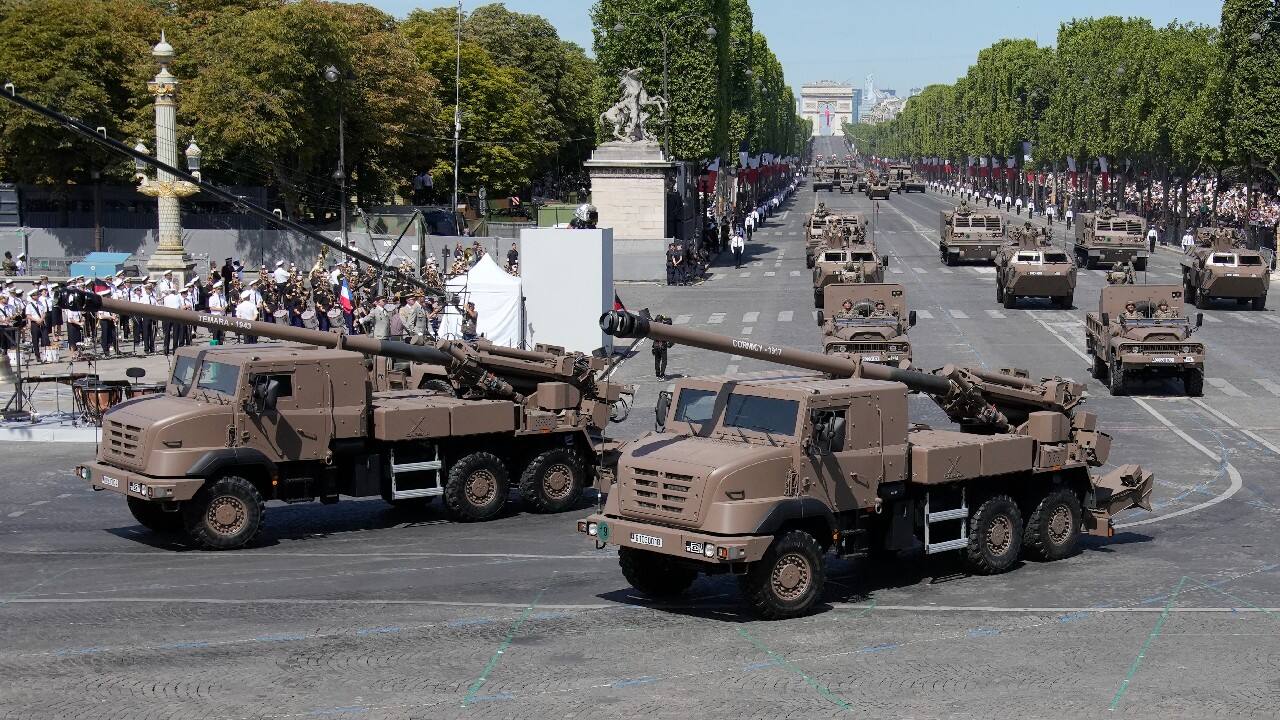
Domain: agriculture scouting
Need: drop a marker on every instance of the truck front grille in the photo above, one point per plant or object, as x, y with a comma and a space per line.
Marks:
120, 442
660, 495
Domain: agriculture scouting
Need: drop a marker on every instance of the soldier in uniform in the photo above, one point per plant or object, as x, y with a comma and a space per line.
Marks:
470, 322
1131, 312
659, 349
379, 318
1163, 311
822, 210
322, 299
415, 320
879, 310
846, 310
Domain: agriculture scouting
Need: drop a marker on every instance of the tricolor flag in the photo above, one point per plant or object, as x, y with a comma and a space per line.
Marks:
617, 302
344, 297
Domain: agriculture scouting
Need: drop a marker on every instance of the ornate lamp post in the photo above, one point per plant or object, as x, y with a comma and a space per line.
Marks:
170, 255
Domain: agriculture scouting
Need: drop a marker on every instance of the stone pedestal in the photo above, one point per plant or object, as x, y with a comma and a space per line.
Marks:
629, 189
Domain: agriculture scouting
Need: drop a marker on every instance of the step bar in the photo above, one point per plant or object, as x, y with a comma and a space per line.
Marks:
932, 518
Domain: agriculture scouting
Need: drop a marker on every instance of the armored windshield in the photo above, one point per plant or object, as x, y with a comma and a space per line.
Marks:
744, 412
219, 377
184, 371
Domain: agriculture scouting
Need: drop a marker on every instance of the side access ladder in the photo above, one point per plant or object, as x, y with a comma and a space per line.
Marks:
433, 485
932, 518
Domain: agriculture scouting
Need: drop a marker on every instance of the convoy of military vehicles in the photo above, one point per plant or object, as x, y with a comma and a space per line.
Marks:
1106, 237
1031, 266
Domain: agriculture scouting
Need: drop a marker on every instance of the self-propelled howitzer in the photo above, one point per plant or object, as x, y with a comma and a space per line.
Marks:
763, 475
325, 415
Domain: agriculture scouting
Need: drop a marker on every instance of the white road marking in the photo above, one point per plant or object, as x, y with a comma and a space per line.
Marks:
958, 314
1226, 387
38, 503
786, 315
1271, 318
682, 319
983, 269
731, 370
1210, 318
996, 314
1245, 319
896, 271
17, 513
770, 274
924, 314
1269, 385
750, 317
745, 274
64, 495
1235, 425
715, 319
746, 330
920, 271
796, 273
793, 232
947, 271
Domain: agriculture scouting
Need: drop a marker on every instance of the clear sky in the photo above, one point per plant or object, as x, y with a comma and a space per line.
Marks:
904, 43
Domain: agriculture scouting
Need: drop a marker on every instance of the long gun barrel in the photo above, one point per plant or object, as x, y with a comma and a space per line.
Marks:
89, 133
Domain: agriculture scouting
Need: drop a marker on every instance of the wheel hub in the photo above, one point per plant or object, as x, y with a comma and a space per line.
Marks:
1060, 524
226, 515
1000, 535
791, 577
557, 481
480, 487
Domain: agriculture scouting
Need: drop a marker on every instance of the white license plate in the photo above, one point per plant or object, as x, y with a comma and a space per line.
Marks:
649, 540
136, 488
871, 358
693, 547
1164, 360
108, 481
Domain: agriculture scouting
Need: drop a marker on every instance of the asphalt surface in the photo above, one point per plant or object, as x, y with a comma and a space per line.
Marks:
358, 611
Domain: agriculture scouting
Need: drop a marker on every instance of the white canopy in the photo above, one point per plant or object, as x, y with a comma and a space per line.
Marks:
499, 303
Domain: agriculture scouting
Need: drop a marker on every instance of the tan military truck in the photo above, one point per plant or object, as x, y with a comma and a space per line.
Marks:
1031, 266
317, 418
969, 233
1110, 238
839, 229
898, 176
878, 187
1130, 337
914, 183
764, 476
853, 264
1220, 266
867, 321
864, 177
824, 177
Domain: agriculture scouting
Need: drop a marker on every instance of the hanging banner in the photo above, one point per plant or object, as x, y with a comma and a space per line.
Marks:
1106, 176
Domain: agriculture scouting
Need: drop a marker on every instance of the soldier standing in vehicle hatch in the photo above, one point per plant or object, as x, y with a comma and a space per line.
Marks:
879, 310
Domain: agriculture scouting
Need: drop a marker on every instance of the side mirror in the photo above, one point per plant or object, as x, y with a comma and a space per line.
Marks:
272, 395
257, 394
1106, 319
821, 319
911, 319
660, 411
1199, 319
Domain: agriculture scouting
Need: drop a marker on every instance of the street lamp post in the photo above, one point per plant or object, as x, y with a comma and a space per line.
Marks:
332, 75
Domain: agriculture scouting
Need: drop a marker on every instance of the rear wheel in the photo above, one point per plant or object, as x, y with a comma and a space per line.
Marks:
1053, 529
477, 487
1193, 383
1189, 293
553, 480
654, 575
788, 580
152, 516
1202, 300
1260, 302
225, 514
995, 536
1115, 373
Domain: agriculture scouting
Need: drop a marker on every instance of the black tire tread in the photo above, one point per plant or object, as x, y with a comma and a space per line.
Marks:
755, 584
152, 517
455, 497
1034, 542
975, 558
194, 511
531, 481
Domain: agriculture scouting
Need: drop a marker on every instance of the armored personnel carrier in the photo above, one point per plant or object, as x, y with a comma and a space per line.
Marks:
326, 415
837, 229
878, 188
913, 183
1131, 337
824, 177
857, 263
766, 475
1030, 265
1220, 266
868, 322
1110, 238
969, 233
863, 178
898, 175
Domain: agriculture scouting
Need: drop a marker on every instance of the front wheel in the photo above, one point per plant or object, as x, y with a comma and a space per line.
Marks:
995, 536
1053, 530
1260, 302
1193, 383
1115, 373
553, 480
654, 575
1010, 300
477, 487
1189, 293
788, 580
1140, 264
225, 514
999, 292
152, 516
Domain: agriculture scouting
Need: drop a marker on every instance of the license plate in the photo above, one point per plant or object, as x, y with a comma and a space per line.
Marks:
108, 481
1163, 360
693, 547
1036, 272
136, 488
871, 358
649, 540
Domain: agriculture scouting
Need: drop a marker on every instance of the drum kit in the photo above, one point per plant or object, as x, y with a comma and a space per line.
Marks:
92, 397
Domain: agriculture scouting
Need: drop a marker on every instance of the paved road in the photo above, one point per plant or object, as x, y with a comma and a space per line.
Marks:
357, 611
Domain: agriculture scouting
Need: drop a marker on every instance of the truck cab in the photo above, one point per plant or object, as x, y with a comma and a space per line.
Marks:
1127, 345
863, 332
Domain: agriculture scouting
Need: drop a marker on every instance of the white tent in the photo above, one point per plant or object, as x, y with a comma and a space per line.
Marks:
499, 304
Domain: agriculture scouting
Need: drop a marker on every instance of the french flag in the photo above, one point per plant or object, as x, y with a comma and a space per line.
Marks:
344, 297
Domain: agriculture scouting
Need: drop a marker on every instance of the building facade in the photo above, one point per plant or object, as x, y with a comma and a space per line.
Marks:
829, 105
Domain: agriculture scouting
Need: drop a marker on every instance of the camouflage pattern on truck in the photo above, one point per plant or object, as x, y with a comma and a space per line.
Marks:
1141, 331
867, 321
1031, 266
1221, 266
763, 476
1110, 238
968, 233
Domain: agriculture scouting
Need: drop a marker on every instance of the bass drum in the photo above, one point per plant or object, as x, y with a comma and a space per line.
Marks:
309, 320
337, 322
280, 317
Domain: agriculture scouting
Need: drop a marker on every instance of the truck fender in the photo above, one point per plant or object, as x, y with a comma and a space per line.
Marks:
215, 461
802, 508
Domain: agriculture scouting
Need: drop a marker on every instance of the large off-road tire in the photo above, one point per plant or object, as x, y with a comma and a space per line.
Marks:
999, 292
1260, 302
995, 536
788, 580
439, 386
1203, 301
1140, 264
1052, 531
1063, 302
1189, 293
552, 481
153, 517
1115, 378
1193, 383
1099, 369
653, 574
817, 299
1010, 300
477, 487
225, 514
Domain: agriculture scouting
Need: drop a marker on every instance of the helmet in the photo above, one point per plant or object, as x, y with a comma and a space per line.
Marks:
586, 213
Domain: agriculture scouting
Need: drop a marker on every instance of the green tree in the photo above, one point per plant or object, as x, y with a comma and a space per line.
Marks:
1251, 54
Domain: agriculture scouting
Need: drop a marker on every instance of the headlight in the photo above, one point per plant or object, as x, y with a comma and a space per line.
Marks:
83, 472
709, 550
592, 529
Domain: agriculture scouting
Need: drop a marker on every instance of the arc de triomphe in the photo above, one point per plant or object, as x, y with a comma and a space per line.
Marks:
829, 105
